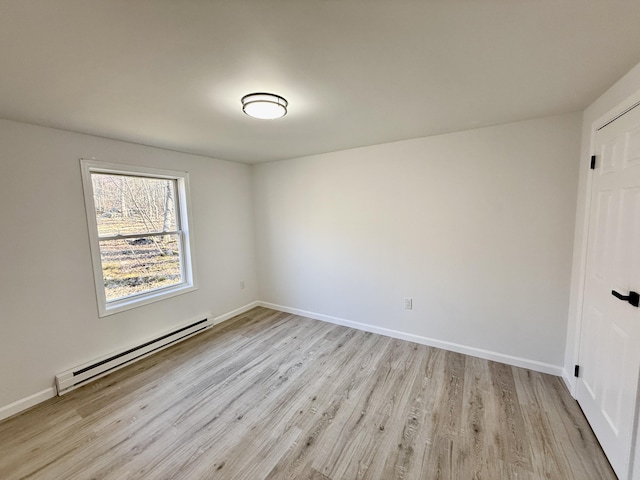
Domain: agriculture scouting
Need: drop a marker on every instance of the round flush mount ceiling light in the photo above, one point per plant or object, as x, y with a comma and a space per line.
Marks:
265, 106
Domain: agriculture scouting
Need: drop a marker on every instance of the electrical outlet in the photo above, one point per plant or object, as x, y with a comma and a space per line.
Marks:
241, 284
408, 303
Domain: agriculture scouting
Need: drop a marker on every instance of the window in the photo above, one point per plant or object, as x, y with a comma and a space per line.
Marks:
139, 234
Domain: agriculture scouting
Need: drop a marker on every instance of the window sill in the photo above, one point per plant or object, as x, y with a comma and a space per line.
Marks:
129, 303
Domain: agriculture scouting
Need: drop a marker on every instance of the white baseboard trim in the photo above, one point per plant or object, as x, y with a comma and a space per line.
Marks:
233, 313
32, 400
27, 402
454, 347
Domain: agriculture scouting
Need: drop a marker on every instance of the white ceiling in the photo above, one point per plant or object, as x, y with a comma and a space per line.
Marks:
171, 73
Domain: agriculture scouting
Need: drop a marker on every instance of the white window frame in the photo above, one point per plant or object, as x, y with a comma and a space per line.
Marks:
183, 208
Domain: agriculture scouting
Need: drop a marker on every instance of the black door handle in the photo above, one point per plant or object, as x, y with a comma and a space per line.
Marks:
633, 298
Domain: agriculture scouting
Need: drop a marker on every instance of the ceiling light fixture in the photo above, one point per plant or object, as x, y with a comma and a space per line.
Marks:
265, 106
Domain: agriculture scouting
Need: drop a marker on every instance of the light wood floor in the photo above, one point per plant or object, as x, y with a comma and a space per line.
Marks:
270, 395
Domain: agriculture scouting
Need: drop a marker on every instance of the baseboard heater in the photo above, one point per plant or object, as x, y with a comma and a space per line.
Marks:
83, 374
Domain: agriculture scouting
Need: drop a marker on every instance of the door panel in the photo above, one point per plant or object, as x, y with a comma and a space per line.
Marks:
603, 229
593, 324
632, 150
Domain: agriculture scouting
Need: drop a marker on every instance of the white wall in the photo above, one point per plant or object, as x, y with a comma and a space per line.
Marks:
475, 226
48, 314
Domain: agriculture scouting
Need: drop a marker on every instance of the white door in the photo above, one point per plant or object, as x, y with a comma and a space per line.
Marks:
607, 387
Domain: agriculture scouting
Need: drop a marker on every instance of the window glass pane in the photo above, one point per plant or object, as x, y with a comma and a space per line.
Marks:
128, 205
137, 265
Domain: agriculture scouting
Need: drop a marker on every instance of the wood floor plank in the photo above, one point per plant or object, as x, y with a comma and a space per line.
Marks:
274, 396
476, 456
340, 387
361, 429
512, 446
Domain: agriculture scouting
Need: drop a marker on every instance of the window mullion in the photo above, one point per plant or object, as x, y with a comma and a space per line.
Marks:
139, 235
